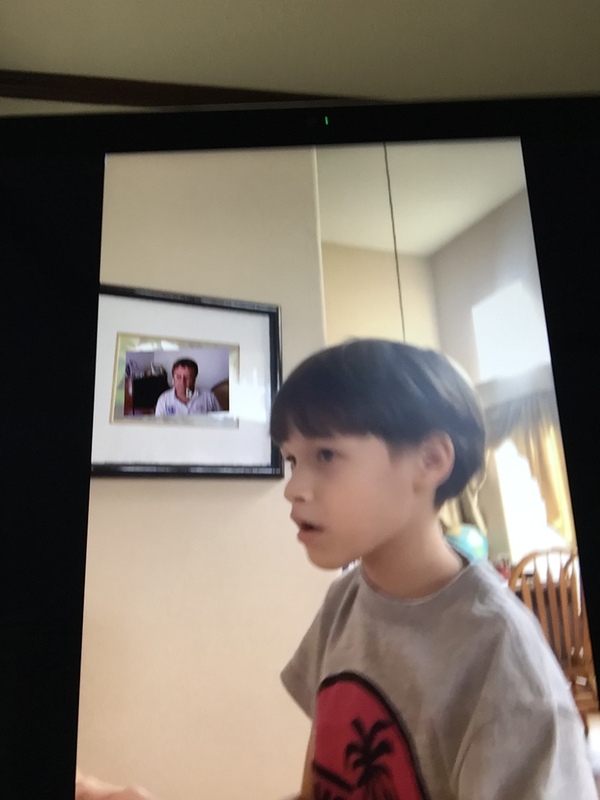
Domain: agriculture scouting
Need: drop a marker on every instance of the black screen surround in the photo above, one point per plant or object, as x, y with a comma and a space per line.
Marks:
51, 185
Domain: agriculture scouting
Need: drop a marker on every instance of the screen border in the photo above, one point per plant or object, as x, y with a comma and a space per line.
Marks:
51, 180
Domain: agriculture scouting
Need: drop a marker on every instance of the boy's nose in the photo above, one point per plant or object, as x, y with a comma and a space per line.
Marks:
297, 488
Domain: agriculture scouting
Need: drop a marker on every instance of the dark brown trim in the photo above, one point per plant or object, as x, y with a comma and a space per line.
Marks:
118, 92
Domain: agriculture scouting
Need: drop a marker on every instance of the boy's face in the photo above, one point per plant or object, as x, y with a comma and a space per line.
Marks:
351, 497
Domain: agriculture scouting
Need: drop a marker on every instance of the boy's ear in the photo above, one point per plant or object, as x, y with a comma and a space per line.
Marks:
437, 458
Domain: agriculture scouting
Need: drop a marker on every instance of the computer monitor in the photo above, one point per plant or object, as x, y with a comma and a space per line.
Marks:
88, 201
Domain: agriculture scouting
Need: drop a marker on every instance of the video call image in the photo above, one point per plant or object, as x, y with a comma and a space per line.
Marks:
184, 380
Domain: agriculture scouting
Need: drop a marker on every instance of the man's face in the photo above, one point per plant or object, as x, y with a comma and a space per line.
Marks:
184, 380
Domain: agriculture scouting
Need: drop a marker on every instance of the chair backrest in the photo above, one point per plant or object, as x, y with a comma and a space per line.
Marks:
549, 583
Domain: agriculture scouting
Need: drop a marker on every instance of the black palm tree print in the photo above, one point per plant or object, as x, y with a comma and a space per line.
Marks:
365, 754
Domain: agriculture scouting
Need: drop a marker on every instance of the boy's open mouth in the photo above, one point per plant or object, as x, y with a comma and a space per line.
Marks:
306, 526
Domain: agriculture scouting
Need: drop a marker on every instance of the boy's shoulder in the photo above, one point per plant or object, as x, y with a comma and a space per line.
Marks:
343, 588
478, 586
476, 604
474, 631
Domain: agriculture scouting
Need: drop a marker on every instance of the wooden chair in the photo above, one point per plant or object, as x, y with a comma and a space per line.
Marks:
221, 392
548, 582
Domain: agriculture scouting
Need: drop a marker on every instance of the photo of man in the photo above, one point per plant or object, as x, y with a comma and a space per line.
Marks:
183, 397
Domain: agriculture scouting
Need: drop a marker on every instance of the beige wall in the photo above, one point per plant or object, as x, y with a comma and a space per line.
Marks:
196, 589
418, 301
495, 251
362, 296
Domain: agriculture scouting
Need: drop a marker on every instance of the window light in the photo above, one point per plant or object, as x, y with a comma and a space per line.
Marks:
510, 335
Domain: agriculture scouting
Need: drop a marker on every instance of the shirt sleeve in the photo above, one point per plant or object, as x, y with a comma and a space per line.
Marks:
303, 673
527, 753
300, 676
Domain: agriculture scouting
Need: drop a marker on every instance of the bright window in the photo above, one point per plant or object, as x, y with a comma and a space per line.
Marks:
523, 505
510, 335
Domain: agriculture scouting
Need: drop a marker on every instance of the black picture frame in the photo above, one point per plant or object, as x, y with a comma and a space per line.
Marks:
147, 330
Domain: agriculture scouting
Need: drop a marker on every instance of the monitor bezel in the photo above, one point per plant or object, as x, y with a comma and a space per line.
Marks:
561, 145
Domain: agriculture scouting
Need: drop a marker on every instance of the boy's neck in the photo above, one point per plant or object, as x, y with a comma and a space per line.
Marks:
414, 566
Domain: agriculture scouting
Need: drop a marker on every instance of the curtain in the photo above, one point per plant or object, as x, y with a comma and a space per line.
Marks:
464, 509
469, 505
532, 423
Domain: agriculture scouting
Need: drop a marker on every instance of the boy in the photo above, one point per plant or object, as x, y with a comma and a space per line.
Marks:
423, 675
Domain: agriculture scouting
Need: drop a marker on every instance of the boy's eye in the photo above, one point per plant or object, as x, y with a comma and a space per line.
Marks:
325, 455
291, 461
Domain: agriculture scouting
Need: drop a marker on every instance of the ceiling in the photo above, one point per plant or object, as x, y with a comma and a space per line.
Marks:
438, 190
403, 50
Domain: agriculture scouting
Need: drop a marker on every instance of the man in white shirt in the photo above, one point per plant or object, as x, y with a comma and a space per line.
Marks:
184, 398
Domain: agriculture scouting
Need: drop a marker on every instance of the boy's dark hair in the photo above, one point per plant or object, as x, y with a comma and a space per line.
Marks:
391, 390
185, 362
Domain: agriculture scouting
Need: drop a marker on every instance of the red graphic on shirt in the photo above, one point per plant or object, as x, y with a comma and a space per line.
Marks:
362, 751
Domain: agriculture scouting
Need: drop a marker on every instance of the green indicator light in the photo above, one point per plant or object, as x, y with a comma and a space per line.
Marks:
326, 120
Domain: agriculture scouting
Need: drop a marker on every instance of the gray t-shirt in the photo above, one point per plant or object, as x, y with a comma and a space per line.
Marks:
455, 696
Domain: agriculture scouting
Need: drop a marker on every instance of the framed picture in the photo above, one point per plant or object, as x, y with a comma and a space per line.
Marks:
184, 385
